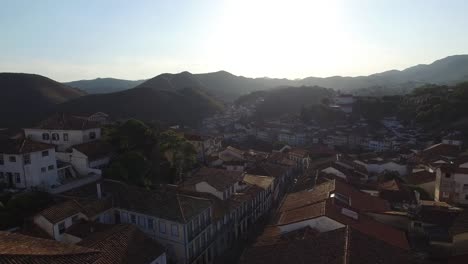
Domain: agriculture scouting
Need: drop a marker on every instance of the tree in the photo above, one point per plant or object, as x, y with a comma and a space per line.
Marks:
178, 151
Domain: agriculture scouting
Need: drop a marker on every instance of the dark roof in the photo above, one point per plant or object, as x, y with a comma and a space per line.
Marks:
333, 210
21, 146
161, 203
420, 177
83, 228
123, 244
268, 169
299, 152
68, 122
440, 149
94, 149
68, 208
218, 178
360, 201
340, 246
17, 249
58, 212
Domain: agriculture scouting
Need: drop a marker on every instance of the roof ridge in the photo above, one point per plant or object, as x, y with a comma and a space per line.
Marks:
346, 246
180, 208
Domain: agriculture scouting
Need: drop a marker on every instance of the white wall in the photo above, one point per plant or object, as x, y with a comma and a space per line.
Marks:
460, 181
31, 175
160, 260
206, 188
75, 137
322, 224
335, 172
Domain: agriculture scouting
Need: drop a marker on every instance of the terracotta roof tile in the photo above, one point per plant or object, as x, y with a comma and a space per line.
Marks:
121, 244
421, 177
68, 122
218, 178
22, 146
16, 248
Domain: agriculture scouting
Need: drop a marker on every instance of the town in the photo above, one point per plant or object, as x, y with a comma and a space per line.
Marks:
255, 192
233, 132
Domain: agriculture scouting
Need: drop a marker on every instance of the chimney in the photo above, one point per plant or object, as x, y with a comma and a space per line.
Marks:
99, 193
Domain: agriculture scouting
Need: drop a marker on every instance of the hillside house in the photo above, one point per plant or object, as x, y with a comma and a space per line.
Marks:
65, 131
25, 164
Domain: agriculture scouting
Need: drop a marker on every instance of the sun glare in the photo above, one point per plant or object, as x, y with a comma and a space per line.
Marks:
263, 36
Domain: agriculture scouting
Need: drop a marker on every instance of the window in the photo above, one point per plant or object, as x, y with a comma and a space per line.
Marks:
12, 159
61, 227
189, 230
92, 135
465, 187
43, 169
196, 224
27, 158
65, 136
466, 197
117, 217
55, 137
133, 219
45, 153
175, 230
75, 219
190, 251
162, 227
447, 175
141, 221
2, 175
150, 223
51, 167
445, 195
17, 177
45, 136
1, 159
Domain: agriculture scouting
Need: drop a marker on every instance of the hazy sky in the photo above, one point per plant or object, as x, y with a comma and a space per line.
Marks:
77, 39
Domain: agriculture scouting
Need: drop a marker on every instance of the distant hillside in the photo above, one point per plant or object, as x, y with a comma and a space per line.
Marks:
170, 98
25, 98
450, 70
228, 87
286, 100
104, 85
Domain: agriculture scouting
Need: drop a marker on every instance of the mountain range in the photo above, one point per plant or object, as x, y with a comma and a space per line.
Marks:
27, 97
186, 98
226, 86
104, 85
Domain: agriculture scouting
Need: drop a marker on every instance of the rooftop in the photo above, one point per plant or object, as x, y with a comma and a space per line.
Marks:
218, 178
123, 244
340, 246
22, 146
68, 122
162, 203
16, 248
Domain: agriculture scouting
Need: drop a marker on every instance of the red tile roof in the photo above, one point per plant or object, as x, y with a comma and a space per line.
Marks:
121, 244
332, 210
421, 177
218, 178
360, 201
16, 248
22, 146
68, 122
341, 246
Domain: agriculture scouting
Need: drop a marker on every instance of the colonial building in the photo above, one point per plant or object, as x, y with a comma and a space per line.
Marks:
25, 164
65, 131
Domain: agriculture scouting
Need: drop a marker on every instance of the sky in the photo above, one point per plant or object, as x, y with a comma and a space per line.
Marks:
86, 39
